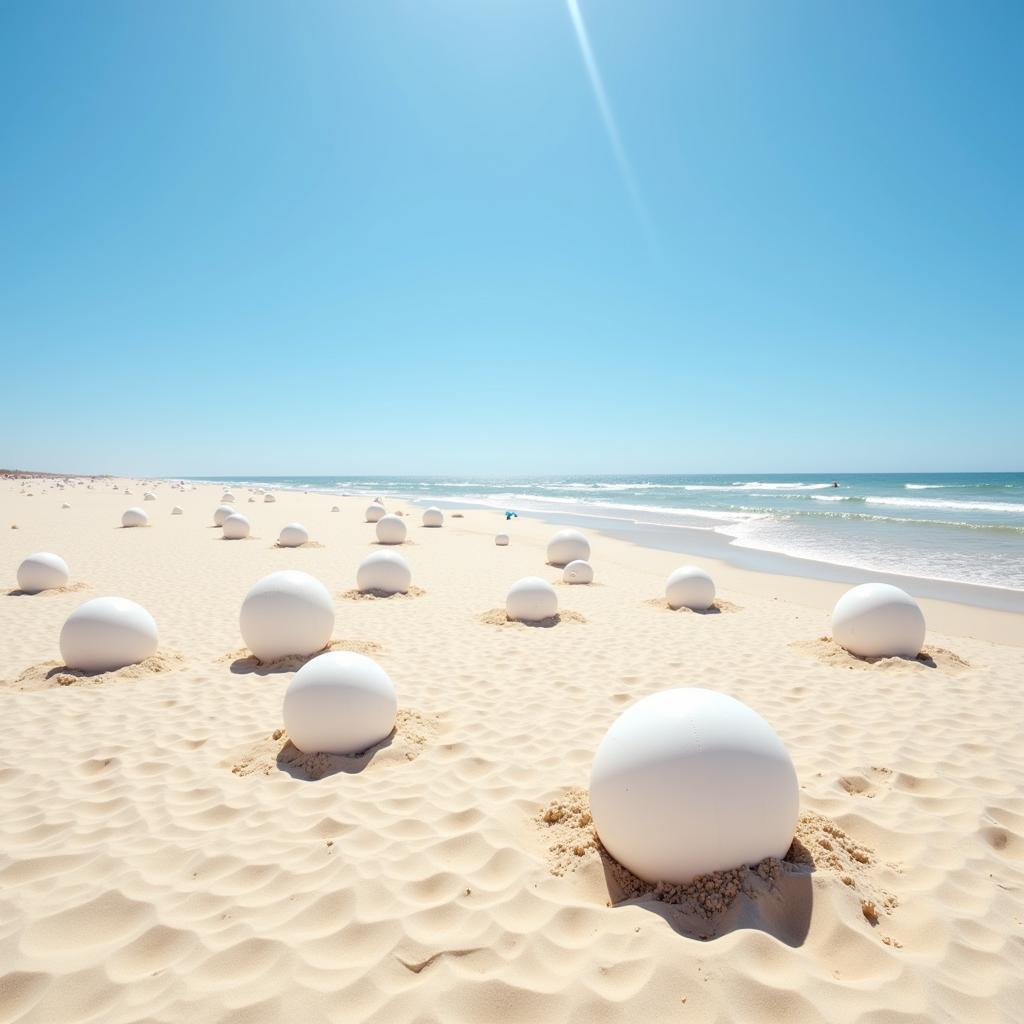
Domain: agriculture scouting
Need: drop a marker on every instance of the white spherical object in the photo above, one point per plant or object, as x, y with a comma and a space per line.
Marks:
268, 497
177, 511
374, 511
221, 513
148, 496
578, 572
568, 546
286, 613
251, 499
501, 540
690, 587
690, 781
531, 599
134, 517
385, 571
433, 517
42, 571
236, 527
107, 633
127, 490
877, 620
334, 508
65, 505
390, 530
227, 498
339, 703
294, 535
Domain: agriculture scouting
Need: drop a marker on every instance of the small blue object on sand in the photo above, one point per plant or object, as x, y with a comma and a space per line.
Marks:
510, 515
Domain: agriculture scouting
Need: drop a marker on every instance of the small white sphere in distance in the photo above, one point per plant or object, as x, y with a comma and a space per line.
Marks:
251, 499
578, 572
568, 546
149, 496
531, 599
501, 540
385, 571
339, 703
374, 511
390, 530
65, 505
433, 517
286, 613
294, 535
227, 498
134, 517
690, 587
107, 633
334, 508
221, 513
236, 527
690, 781
177, 511
42, 571
268, 497
877, 620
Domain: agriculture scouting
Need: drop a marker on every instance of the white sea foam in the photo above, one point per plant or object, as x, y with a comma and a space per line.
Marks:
1005, 507
924, 487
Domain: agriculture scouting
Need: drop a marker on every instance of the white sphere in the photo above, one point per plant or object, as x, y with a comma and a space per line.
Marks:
433, 517
65, 505
177, 511
386, 571
390, 530
149, 496
227, 498
877, 620
568, 546
286, 613
339, 703
578, 572
127, 490
236, 527
134, 517
690, 781
501, 540
42, 571
107, 633
690, 587
268, 497
374, 511
221, 513
294, 535
251, 499
334, 508
531, 599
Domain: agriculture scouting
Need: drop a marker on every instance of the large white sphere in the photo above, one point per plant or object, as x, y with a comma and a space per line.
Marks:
42, 571
294, 535
374, 511
386, 571
568, 546
107, 633
578, 572
531, 599
690, 781
390, 530
177, 511
221, 513
227, 498
286, 613
134, 517
268, 497
149, 496
236, 527
433, 517
501, 540
339, 703
877, 620
690, 587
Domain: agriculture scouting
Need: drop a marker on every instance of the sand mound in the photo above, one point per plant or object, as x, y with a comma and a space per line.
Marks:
296, 547
380, 595
51, 674
828, 652
71, 588
243, 660
499, 617
719, 607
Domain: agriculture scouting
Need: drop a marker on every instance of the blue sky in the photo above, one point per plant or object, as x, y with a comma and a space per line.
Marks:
253, 237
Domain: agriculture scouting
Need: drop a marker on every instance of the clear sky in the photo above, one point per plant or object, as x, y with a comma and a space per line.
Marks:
430, 237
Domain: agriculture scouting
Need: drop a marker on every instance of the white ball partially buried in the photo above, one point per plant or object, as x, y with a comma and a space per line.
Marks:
236, 527
339, 703
177, 511
107, 633
568, 546
690, 781
578, 572
384, 571
877, 620
390, 530
433, 517
134, 517
42, 571
690, 587
221, 513
286, 613
374, 512
501, 539
530, 600
294, 535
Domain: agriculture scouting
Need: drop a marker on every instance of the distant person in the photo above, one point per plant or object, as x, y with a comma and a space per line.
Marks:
835, 483
510, 515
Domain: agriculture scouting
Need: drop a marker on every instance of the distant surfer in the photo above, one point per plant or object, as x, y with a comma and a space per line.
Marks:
835, 483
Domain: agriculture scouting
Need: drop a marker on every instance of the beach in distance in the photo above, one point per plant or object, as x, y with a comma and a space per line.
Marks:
168, 854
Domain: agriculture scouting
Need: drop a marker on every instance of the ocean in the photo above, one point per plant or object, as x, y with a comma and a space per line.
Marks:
960, 527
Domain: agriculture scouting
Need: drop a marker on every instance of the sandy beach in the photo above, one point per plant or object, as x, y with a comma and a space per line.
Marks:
165, 856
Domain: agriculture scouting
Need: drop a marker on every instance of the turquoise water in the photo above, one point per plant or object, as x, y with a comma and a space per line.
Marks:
964, 527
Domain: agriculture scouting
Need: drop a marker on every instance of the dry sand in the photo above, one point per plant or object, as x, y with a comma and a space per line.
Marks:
166, 854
